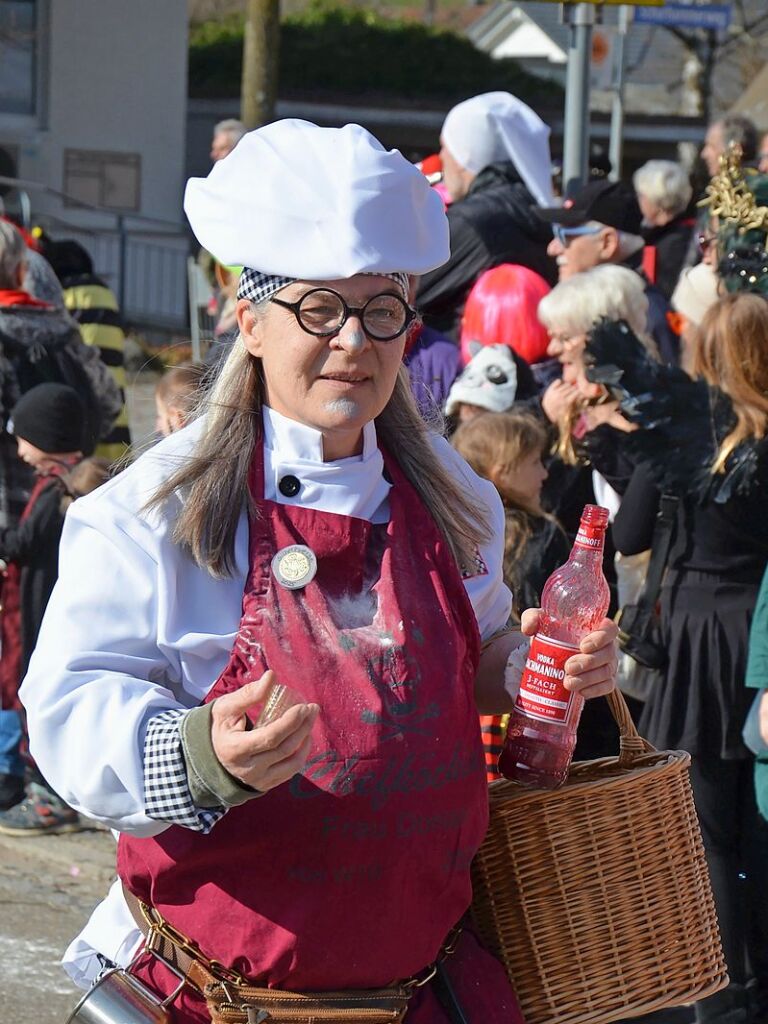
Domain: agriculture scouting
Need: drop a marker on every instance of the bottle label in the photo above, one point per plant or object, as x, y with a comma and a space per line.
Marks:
542, 694
590, 537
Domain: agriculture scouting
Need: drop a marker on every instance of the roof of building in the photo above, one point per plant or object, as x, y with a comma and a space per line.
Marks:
655, 57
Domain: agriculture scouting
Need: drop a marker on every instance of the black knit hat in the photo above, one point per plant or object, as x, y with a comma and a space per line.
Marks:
51, 417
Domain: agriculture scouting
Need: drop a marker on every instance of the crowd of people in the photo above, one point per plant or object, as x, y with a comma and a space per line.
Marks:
413, 392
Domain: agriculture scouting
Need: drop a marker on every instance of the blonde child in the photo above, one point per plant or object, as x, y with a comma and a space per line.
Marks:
177, 394
508, 448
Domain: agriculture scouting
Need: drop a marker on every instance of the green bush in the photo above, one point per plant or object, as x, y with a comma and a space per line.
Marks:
345, 51
216, 59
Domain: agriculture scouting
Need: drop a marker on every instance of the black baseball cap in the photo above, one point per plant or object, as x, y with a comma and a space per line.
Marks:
608, 202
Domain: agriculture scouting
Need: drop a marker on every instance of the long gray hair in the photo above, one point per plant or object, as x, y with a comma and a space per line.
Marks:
215, 479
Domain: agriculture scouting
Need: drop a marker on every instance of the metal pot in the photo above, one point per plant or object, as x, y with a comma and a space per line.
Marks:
120, 998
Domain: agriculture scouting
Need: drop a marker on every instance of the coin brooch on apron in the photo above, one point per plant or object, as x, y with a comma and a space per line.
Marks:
295, 566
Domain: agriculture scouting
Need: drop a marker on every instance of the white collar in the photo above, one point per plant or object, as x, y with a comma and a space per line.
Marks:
353, 487
295, 440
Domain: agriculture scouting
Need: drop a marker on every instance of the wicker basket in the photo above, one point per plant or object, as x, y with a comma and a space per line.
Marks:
596, 896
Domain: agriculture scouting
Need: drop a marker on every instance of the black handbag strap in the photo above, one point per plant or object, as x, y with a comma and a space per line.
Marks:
660, 545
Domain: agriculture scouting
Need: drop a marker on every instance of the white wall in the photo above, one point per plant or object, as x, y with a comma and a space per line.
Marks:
117, 77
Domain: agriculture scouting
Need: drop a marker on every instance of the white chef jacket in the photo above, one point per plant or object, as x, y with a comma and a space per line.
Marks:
134, 627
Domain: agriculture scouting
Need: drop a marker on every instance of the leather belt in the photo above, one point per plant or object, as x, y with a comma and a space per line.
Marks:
186, 960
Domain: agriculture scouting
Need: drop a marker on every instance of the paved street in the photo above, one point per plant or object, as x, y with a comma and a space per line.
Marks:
48, 887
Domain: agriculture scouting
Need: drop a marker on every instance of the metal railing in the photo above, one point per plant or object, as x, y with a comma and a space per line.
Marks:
142, 259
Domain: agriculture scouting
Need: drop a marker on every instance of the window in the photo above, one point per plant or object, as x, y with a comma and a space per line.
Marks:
19, 56
111, 180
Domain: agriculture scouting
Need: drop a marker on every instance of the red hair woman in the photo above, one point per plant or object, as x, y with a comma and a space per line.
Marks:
501, 310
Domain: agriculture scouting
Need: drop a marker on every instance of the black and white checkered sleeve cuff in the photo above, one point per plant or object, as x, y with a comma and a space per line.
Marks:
166, 789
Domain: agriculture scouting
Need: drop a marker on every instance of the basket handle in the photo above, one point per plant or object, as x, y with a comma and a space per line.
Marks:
631, 743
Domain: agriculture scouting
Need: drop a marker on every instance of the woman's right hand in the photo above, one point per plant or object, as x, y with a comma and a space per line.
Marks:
558, 400
608, 412
264, 756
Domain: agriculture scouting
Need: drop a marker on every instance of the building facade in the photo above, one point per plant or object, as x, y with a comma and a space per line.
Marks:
93, 121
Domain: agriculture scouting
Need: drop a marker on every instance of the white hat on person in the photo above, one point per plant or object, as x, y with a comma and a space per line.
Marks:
489, 380
299, 201
496, 126
697, 289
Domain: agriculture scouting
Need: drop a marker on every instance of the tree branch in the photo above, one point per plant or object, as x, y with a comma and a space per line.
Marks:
688, 40
747, 30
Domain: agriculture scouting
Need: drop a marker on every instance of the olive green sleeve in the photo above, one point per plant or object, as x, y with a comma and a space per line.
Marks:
210, 784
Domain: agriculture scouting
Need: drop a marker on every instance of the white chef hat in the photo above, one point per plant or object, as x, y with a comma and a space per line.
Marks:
497, 126
294, 200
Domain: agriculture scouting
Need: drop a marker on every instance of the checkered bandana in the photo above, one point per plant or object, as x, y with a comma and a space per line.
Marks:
259, 287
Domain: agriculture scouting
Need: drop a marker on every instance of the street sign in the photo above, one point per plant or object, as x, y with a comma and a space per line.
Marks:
602, 58
713, 16
610, 3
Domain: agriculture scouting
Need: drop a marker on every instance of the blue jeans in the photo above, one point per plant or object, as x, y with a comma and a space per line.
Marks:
11, 762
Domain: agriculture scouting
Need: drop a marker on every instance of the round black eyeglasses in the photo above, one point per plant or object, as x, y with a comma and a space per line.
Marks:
323, 312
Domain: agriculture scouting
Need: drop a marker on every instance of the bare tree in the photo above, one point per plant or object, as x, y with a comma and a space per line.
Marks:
704, 51
261, 45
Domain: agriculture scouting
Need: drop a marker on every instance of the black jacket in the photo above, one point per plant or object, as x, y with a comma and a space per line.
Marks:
658, 326
671, 243
546, 549
34, 546
38, 344
494, 223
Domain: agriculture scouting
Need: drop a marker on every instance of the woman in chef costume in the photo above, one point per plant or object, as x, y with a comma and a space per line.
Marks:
307, 531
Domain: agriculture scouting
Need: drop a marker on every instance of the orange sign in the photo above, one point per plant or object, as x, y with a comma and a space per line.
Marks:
601, 48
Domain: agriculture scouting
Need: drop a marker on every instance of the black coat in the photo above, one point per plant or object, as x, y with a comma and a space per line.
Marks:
658, 326
671, 243
546, 549
494, 223
39, 344
34, 546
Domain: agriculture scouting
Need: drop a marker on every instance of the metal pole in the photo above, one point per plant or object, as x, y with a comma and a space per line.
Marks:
576, 132
616, 147
122, 251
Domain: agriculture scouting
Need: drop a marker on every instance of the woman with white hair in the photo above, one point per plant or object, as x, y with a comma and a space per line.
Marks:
306, 531
569, 312
664, 194
586, 421
609, 292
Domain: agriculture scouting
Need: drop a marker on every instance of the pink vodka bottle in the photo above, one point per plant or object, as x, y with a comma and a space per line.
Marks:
542, 727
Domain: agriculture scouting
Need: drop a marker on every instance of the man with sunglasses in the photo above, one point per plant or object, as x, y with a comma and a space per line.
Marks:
601, 223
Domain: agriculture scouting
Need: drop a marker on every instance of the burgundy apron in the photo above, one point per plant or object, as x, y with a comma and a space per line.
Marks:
350, 875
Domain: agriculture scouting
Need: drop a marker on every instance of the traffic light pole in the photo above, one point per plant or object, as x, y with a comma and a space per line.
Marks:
616, 150
581, 17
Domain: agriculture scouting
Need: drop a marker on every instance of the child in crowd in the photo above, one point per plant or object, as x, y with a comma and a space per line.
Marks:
48, 423
177, 394
488, 383
508, 448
